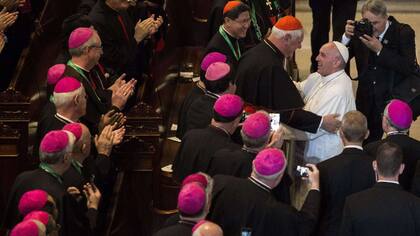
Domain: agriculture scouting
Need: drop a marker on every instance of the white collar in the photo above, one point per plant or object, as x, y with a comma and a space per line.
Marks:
64, 118
259, 182
381, 36
354, 146
388, 181
80, 67
328, 78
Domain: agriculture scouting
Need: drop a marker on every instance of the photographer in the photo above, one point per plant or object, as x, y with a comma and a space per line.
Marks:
384, 55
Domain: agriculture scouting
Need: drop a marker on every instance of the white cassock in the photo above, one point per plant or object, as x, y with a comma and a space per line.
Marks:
332, 94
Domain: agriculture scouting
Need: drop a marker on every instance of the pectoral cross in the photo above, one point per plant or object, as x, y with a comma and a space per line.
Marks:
268, 3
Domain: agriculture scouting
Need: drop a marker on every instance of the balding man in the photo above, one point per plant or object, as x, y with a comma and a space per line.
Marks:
328, 91
345, 174
207, 228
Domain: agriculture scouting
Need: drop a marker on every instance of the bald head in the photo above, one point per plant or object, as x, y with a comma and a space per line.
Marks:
208, 229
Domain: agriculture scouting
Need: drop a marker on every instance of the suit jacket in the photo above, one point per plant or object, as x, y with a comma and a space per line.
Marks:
181, 228
347, 173
411, 150
398, 57
385, 209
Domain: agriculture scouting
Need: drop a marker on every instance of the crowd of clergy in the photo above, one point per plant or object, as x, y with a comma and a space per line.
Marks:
234, 177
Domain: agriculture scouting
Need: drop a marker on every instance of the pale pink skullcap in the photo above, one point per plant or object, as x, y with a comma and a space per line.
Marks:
55, 73
256, 125
25, 228
217, 70
66, 85
54, 141
212, 58
41, 216
399, 114
32, 200
228, 105
199, 223
195, 178
79, 36
75, 129
191, 199
269, 161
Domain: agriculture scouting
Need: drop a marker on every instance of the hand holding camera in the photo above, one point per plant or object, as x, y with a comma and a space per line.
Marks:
309, 172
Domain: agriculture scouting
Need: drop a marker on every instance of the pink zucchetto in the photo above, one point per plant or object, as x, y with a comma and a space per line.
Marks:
41, 216
75, 129
217, 70
228, 105
32, 200
191, 199
55, 73
66, 85
212, 58
79, 36
399, 114
270, 161
195, 178
54, 141
25, 228
256, 125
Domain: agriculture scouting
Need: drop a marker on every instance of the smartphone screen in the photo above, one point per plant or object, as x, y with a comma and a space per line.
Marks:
275, 121
246, 232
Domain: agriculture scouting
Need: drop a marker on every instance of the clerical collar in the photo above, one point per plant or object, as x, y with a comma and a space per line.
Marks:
387, 181
260, 184
212, 95
45, 167
187, 222
274, 48
250, 150
354, 146
405, 132
381, 36
63, 118
77, 165
228, 33
221, 129
82, 68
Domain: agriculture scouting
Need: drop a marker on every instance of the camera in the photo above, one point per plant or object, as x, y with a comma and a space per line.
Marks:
302, 171
363, 27
246, 232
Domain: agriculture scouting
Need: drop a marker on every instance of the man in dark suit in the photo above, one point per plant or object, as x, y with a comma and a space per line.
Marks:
383, 59
385, 209
236, 21
396, 122
345, 174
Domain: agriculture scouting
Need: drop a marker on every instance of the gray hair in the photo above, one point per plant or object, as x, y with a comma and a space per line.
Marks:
377, 7
255, 142
64, 99
54, 158
77, 52
354, 126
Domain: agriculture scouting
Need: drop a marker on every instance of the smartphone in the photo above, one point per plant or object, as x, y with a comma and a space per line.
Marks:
275, 121
246, 232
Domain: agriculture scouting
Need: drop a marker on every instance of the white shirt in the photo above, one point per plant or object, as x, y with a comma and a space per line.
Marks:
332, 94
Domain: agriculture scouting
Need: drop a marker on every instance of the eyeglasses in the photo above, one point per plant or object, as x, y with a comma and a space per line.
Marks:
244, 21
96, 46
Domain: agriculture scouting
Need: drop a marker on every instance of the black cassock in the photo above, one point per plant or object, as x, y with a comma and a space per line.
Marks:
262, 81
197, 148
238, 203
265, 16
200, 113
193, 94
238, 162
219, 44
36, 179
181, 228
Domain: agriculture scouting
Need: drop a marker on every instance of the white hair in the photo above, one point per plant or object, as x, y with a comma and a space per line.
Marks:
79, 50
278, 33
64, 99
54, 158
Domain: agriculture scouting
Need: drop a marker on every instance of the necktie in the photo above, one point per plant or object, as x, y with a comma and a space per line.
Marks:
120, 19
